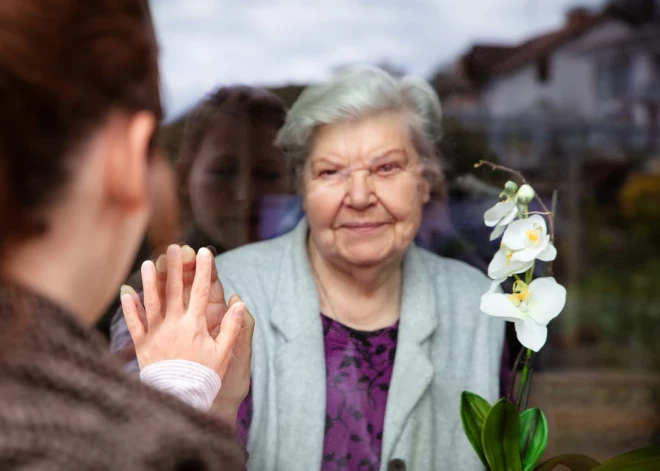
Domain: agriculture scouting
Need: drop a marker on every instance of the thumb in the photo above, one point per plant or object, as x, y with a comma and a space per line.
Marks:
229, 330
235, 298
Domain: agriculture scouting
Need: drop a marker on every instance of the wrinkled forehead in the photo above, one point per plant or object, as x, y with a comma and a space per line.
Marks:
366, 141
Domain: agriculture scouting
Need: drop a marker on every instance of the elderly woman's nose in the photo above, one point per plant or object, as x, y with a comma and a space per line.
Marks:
360, 193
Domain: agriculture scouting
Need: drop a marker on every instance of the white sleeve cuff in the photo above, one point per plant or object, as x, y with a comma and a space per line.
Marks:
192, 383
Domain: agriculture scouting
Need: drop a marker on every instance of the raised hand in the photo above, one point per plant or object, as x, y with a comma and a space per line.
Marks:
173, 322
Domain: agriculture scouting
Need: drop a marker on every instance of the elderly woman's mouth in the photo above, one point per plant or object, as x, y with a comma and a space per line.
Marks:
363, 227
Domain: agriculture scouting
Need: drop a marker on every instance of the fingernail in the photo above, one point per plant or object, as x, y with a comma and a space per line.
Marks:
173, 250
204, 252
239, 310
161, 263
125, 289
187, 254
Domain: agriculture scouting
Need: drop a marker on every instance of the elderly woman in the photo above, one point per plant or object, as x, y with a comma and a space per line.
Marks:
364, 342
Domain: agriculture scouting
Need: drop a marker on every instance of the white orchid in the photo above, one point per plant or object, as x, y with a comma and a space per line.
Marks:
500, 216
528, 240
504, 265
531, 307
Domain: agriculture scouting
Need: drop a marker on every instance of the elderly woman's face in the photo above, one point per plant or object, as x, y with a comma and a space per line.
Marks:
364, 190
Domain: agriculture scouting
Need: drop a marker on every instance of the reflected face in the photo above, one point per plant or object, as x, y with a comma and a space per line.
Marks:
237, 164
364, 190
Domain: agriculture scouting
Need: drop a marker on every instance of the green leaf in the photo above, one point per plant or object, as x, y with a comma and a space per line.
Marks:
645, 459
474, 410
572, 462
500, 437
533, 437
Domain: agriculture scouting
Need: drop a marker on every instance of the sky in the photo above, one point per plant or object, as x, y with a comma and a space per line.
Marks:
208, 43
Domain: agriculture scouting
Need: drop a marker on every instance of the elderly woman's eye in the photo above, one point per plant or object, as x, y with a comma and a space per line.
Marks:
388, 168
327, 173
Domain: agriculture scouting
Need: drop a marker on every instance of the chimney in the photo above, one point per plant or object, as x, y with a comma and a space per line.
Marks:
577, 17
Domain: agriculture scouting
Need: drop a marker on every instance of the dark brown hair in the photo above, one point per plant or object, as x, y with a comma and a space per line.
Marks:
252, 104
64, 66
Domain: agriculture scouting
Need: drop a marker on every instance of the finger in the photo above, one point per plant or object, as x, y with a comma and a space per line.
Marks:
244, 341
217, 290
135, 327
243, 346
248, 320
201, 288
217, 305
188, 272
214, 314
229, 330
174, 284
127, 289
152, 300
161, 275
248, 324
188, 258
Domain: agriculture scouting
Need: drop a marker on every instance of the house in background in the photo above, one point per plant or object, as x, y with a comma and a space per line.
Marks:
596, 80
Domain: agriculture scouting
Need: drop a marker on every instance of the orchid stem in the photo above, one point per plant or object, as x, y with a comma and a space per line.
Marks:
523, 389
512, 385
530, 274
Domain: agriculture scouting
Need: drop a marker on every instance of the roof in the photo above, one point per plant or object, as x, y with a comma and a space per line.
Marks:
544, 45
482, 58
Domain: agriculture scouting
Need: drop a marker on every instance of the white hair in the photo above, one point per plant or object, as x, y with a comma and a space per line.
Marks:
354, 95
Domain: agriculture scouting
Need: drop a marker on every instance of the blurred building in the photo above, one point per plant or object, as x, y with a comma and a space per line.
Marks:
596, 78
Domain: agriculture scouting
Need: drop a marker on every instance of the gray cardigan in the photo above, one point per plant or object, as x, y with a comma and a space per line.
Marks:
445, 345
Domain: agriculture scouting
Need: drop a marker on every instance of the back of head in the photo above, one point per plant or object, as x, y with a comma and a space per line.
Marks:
64, 66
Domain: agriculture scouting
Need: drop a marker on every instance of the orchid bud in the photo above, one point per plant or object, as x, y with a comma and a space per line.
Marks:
510, 189
525, 194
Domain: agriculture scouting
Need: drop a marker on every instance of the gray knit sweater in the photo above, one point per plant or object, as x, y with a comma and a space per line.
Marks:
66, 405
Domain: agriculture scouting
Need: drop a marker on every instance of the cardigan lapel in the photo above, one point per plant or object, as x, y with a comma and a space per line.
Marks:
413, 370
299, 359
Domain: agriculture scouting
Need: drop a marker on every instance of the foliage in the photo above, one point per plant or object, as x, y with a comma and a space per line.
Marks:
515, 442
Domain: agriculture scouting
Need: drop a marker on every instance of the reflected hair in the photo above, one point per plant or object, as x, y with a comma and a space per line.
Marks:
353, 96
239, 101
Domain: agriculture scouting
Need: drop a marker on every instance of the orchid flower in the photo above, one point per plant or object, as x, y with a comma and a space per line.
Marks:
531, 307
504, 265
528, 240
500, 216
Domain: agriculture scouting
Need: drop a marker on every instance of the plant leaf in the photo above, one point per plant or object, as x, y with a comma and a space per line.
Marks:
644, 459
500, 437
533, 437
572, 462
474, 410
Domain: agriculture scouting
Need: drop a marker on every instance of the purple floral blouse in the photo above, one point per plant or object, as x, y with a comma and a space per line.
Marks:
358, 372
